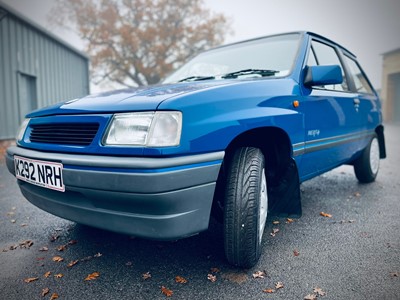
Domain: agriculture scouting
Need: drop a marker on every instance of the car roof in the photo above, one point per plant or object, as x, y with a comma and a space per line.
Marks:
309, 33
330, 41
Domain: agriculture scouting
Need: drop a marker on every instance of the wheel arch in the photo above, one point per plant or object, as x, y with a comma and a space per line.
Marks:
281, 170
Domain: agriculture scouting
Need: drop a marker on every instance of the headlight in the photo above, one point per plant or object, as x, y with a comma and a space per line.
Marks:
151, 129
22, 128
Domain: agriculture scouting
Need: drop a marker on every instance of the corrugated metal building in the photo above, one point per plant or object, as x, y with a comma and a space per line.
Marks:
36, 69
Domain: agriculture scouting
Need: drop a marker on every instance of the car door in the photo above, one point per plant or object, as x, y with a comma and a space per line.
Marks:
331, 119
368, 107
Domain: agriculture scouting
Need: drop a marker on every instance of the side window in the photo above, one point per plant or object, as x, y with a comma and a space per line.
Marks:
326, 55
360, 81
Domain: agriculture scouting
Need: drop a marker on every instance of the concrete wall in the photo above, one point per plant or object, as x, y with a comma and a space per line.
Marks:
391, 85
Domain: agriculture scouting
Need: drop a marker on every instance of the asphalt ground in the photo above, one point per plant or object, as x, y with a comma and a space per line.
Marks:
354, 254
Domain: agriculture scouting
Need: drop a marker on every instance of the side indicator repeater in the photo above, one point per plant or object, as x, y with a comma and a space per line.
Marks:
296, 103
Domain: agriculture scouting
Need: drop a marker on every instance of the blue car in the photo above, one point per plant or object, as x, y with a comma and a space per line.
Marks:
230, 134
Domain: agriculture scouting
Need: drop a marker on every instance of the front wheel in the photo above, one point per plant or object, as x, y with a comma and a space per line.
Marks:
366, 167
245, 207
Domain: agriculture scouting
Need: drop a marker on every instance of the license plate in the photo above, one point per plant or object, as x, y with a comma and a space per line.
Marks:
42, 173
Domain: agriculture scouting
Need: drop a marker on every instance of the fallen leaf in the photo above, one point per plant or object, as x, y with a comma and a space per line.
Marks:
296, 252
54, 296
166, 292
357, 194
61, 248
278, 285
39, 258
47, 274
24, 225
310, 297
45, 291
26, 244
58, 259
180, 279
215, 270
275, 222
72, 242
58, 275
27, 280
319, 291
259, 274
269, 291
146, 275
92, 276
212, 278
44, 249
274, 231
72, 263
11, 213
98, 255
13, 221
325, 215
54, 238
13, 247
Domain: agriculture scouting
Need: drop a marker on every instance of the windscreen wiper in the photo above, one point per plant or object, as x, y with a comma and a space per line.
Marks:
196, 78
261, 72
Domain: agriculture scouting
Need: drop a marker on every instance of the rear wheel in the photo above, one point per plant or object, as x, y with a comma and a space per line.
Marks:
245, 207
366, 167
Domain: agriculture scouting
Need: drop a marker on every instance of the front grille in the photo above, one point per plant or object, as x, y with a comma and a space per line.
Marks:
81, 134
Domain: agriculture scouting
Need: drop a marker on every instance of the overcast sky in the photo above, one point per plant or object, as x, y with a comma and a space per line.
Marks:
367, 28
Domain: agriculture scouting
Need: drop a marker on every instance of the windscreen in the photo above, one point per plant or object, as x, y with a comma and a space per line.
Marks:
271, 53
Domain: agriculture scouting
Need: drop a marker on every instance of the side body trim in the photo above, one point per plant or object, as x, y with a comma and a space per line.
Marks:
325, 143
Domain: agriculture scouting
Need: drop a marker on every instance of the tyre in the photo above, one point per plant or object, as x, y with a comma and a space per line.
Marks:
366, 167
245, 207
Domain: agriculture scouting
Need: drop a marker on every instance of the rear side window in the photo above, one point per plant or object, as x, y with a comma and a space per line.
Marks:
322, 54
360, 81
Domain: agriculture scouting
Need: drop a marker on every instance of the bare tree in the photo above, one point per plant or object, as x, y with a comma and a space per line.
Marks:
137, 42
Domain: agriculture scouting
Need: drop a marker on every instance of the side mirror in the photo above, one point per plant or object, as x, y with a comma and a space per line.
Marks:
323, 75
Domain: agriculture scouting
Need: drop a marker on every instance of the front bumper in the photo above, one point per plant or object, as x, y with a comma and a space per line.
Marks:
156, 198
